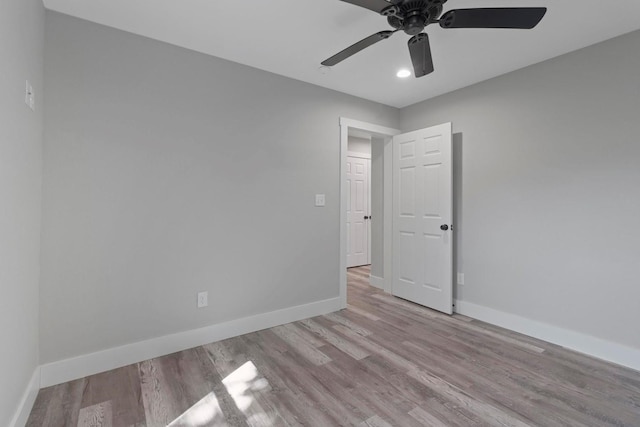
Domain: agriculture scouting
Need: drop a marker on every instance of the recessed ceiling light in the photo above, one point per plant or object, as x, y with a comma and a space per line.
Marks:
404, 73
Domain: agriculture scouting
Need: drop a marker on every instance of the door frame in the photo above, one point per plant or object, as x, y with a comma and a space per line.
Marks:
378, 132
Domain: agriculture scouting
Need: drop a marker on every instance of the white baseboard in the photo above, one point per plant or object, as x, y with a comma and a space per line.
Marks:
28, 399
587, 344
377, 282
93, 363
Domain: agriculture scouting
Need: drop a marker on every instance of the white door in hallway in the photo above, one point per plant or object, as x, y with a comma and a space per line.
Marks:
422, 216
357, 211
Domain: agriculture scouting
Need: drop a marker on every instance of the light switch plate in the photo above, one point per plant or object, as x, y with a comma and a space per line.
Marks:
460, 278
319, 199
29, 97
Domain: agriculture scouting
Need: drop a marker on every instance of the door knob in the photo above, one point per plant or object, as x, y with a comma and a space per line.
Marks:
444, 227
366, 217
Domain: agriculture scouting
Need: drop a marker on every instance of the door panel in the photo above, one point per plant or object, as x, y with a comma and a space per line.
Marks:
422, 203
432, 267
406, 265
357, 209
407, 196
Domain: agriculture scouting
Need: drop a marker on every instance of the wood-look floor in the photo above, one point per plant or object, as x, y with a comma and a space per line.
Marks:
381, 362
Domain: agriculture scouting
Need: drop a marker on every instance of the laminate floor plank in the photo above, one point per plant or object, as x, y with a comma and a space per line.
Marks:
371, 390
354, 309
250, 388
360, 272
342, 317
312, 386
395, 391
603, 418
546, 377
120, 387
206, 411
425, 418
63, 406
487, 412
307, 382
347, 389
452, 415
38, 414
354, 274
301, 346
618, 377
157, 395
276, 397
242, 379
335, 340
98, 415
374, 348
385, 345
382, 361
305, 334
200, 379
374, 421
504, 382
293, 402
500, 390
360, 283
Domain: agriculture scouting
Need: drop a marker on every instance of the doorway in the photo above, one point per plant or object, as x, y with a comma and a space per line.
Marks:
359, 199
416, 211
377, 226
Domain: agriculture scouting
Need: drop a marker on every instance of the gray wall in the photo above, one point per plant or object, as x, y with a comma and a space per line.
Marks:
168, 172
359, 145
377, 207
548, 162
21, 52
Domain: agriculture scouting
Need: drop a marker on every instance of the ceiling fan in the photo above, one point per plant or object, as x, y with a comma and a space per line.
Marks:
412, 16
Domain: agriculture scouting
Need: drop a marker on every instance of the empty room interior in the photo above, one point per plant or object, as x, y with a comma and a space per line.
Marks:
319, 213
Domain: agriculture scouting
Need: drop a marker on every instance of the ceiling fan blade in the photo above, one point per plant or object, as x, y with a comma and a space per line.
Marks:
420, 52
497, 17
357, 47
378, 6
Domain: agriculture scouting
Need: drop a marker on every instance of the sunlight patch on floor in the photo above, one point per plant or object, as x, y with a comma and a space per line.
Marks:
241, 384
205, 412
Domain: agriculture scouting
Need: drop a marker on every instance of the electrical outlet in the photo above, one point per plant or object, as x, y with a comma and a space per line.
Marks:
203, 299
460, 278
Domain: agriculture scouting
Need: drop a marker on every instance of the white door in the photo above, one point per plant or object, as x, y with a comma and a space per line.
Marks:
357, 211
422, 214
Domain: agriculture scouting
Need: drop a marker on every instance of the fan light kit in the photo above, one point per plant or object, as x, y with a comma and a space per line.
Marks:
404, 73
412, 16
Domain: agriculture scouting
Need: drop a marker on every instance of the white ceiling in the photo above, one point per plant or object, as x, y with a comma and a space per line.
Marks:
292, 37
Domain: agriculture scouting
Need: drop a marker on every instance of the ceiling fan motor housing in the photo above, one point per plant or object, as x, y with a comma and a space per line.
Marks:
414, 24
412, 16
